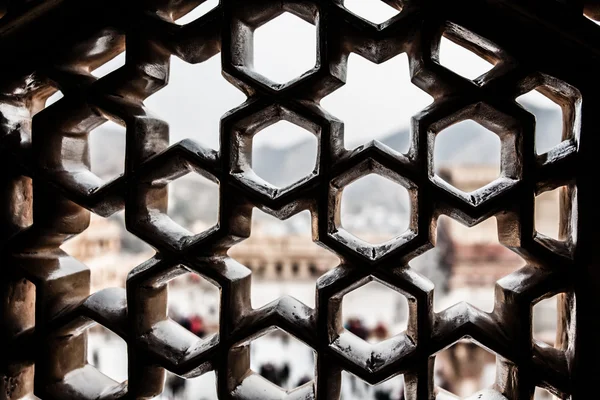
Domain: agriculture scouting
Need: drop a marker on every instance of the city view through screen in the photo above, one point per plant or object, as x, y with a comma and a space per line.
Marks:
376, 103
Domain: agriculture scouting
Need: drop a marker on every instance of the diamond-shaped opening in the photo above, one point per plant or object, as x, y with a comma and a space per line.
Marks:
285, 48
282, 359
547, 213
542, 394
354, 388
111, 65
188, 102
284, 153
545, 320
107, 150
464, 368
54, 98
377, 102
364, 313
376, 11
108, 250
375, 209
283, 258
548, 120
194, 303
107, 352
199, 11
204, 385
467, 155
466, 263
194, 202
462, 61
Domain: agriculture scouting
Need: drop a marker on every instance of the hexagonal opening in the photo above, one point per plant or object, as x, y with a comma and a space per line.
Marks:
283, 258
467, 155
364, 316
107, 150
466, 263
194, 202
354, 388
181, 388
285, 48
547, 213
107, 352
282, 359
194, 303
377, 102
375, 209
111, 65
188, 102
542, 394
109, 250
462, 61
202, 9
464, 368
284, 153
54, 98
375, 11
545, 320
548, 120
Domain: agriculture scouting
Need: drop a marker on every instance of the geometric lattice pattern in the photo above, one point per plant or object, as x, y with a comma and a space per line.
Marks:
48, 193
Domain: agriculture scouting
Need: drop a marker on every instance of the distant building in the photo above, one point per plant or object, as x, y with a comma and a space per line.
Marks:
466, 264
99, 247
478, 259
100, 238
283, 257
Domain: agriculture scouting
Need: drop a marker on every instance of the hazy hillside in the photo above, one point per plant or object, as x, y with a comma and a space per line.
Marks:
463, 144
366, 204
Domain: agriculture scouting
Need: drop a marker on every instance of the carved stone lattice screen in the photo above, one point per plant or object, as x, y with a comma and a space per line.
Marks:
48, 193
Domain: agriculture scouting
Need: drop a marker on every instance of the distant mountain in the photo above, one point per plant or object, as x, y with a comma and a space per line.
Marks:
368, 199
461, 143
283, 166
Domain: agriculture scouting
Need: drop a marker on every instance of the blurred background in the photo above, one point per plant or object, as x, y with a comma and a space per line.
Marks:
377, 102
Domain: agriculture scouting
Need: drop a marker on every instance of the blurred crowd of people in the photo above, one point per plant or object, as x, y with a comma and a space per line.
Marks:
284, 373
280, 375
357, 326
194, 324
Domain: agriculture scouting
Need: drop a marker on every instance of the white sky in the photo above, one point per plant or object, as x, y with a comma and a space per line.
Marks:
376, 101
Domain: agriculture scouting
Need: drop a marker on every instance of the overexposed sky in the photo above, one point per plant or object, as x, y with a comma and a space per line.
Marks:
376, 101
